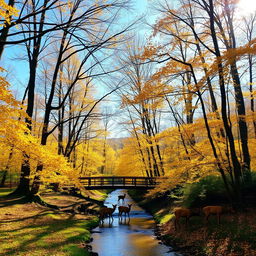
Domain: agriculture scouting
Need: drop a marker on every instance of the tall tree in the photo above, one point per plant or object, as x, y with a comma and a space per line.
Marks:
95, 26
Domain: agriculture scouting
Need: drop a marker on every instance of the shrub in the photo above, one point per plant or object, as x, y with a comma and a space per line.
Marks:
209, 190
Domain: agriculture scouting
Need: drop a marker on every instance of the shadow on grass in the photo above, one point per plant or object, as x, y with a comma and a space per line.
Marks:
10, 200
54, 235
45, 232
34, 217
5, 191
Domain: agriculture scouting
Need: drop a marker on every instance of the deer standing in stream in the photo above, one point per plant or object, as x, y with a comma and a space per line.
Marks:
121, 197
107, 212
125, 210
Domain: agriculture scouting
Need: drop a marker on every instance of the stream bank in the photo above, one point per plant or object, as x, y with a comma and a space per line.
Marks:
132, 236
234, 236
160, 209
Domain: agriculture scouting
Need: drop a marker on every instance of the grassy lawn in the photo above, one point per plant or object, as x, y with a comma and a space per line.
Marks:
27, 229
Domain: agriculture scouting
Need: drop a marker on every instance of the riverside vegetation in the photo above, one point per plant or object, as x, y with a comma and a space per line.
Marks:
234, 236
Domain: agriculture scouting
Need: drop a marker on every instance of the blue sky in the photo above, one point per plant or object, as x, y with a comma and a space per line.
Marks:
14, 57
18, 68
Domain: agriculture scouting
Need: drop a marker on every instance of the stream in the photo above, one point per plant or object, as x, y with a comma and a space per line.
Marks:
127, 237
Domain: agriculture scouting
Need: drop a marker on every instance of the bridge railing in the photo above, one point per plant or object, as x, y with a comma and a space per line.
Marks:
119, 181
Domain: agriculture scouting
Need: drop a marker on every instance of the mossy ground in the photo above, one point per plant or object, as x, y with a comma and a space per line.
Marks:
28, 229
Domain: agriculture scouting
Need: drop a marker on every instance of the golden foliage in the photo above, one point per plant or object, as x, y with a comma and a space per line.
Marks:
15, 136
6, 11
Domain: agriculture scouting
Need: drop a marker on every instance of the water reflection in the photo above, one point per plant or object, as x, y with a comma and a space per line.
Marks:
127, 236
124, 221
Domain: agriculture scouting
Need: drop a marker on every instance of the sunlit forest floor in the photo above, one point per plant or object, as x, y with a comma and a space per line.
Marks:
236, 235
28, 229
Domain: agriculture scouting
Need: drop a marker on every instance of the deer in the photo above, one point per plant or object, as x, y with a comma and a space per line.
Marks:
121, 197
185, 212
107, 212
125, 210
216, 210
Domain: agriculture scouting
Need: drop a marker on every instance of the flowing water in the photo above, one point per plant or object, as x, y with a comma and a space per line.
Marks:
127, 237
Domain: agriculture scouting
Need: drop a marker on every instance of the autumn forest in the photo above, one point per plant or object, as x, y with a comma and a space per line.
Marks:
106, 92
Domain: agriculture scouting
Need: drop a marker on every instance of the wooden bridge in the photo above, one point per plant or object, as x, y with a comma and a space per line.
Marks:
119, 182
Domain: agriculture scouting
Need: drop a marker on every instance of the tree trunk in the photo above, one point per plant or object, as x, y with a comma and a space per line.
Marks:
251, 94
139, 144
6, 168
23, 186
235, 162
239, 99
2, 183
241, 119
5, 31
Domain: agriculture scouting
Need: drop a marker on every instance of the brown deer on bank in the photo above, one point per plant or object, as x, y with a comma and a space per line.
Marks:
125, 210
107, 212
121, 197
216, 210
186, 213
